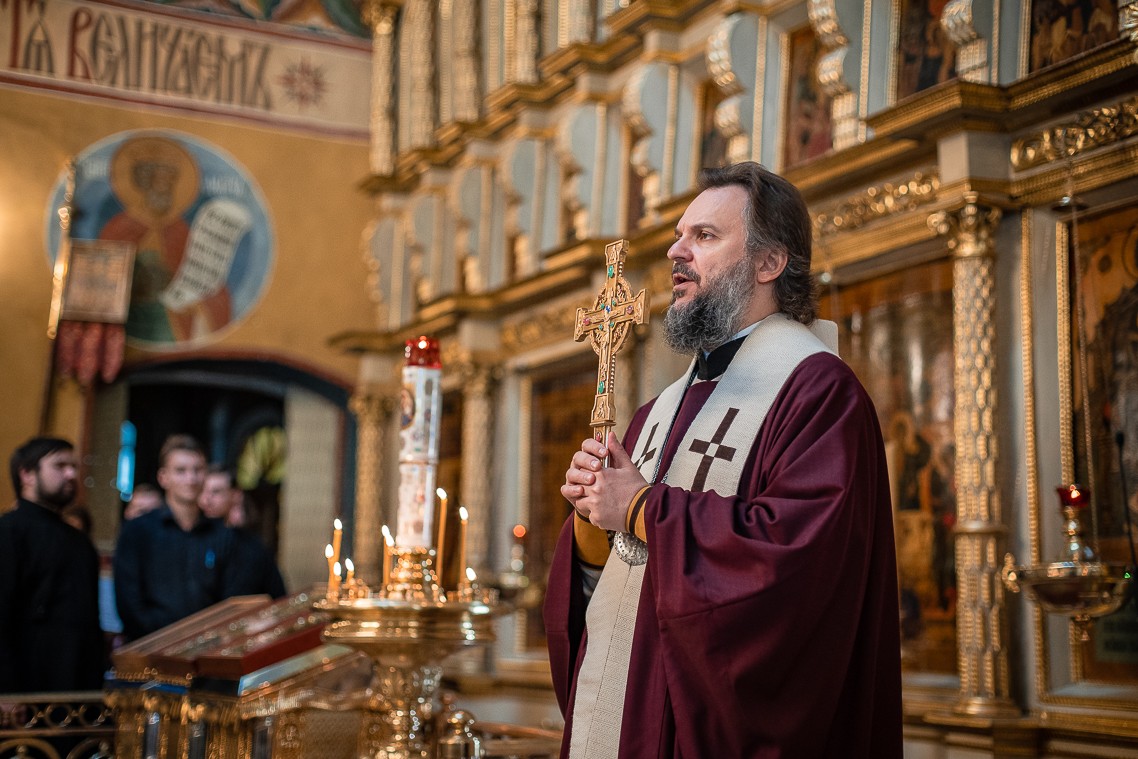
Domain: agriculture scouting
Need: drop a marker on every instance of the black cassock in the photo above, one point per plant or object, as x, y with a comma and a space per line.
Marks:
49, 604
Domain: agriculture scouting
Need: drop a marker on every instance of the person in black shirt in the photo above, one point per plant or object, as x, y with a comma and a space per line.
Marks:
174, 560
257, 572
49, 573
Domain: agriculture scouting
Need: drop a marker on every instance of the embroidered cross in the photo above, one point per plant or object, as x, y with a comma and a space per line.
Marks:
648, 453
713, 449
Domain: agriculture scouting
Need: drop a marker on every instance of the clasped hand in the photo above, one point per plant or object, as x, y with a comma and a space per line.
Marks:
598, 493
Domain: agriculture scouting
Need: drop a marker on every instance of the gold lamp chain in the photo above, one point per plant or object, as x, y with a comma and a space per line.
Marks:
1081, 327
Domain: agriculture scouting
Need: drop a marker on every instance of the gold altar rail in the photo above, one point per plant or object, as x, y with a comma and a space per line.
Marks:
516, 742
78, 725
72, 725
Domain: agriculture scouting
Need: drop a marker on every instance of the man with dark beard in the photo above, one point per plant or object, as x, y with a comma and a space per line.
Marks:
747, 606
49, 574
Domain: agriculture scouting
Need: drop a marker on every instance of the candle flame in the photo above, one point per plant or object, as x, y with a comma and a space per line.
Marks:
328, 551
348, 563
337, 524
336, 569
390, 541
463, 514
441, 493
470, 574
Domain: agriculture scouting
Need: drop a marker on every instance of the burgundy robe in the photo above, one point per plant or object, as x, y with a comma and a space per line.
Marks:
768, 623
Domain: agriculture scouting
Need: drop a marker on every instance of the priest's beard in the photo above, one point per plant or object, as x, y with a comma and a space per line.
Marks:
714, 313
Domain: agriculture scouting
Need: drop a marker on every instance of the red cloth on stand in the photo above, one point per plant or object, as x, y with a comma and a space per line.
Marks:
86, 350
90, 353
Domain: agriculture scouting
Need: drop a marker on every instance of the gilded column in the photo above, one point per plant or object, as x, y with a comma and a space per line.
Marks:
419, 59
980, 530
467, 64
380, 17
477, 467
580, 21
372, 409
447, 59
526, 49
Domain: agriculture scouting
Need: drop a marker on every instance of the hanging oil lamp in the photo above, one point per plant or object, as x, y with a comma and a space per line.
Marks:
1079, 585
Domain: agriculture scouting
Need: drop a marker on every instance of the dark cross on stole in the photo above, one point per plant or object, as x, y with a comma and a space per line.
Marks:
606, 325
713, 449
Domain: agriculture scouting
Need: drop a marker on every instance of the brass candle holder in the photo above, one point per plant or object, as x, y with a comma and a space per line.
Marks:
408, 628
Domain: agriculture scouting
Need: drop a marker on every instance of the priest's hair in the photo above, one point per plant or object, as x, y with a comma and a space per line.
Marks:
776, 219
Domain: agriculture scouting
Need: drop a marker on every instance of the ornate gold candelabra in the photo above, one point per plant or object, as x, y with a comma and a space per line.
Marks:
1079, 584
408, 628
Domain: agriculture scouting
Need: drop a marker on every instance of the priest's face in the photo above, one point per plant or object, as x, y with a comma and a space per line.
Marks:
53, 481
713, 277
182, 477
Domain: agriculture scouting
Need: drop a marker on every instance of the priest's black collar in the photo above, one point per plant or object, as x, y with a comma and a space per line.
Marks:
710, 366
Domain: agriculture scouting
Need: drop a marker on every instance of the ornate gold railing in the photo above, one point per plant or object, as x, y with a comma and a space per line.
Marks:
80, 726
76, 725
510, 741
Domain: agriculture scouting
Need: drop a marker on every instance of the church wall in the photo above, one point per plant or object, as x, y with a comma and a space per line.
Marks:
494, 226
315, 213
918, 160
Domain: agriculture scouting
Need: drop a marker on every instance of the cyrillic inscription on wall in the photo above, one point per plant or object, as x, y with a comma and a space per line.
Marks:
171, 57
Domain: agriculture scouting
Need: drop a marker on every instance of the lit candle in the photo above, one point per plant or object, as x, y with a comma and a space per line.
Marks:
331, 564
463, 515
1073, 495
442, 494
351, 571
470, 575
388, 544
334, 586
337, 537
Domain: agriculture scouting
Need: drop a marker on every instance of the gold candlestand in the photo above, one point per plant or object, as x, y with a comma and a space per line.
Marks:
408, 628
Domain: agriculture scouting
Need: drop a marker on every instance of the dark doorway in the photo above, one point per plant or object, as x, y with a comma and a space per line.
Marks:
236, 409
225, 421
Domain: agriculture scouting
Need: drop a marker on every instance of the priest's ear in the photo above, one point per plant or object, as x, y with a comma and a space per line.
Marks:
769, 264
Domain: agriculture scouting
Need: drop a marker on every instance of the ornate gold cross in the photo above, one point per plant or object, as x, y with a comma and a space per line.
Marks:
607, 325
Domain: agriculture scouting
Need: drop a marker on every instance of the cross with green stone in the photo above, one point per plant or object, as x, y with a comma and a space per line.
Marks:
607, 325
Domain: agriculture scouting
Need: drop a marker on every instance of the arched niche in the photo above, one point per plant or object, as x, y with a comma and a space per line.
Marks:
659, 107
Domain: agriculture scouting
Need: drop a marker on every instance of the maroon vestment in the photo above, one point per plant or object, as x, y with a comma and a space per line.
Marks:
768, 623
